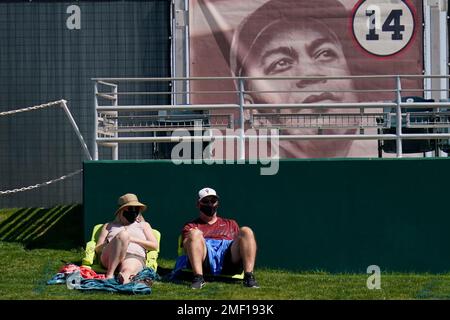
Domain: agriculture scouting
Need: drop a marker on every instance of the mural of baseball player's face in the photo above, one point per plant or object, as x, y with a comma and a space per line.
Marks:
300, 49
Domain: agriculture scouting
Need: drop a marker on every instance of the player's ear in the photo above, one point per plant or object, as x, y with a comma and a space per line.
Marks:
248, 99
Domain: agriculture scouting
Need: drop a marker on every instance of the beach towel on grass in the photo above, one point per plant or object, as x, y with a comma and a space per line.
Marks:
140, 284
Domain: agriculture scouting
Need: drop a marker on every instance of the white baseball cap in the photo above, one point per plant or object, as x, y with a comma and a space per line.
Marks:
205, 192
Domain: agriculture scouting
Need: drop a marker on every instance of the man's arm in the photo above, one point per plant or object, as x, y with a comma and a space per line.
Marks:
186, 228
235, 228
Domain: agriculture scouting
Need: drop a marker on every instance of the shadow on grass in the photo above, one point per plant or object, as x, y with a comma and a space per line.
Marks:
185, 277
60, 227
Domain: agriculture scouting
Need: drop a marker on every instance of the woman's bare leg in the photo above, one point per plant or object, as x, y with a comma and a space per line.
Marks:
129, 268
114, 253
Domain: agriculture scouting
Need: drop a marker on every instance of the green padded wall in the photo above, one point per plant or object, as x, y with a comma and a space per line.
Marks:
332, 215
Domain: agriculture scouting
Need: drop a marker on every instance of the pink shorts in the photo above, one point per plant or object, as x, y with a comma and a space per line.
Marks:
105, 256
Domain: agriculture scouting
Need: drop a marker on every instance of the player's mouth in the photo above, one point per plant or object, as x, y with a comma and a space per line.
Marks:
317, 98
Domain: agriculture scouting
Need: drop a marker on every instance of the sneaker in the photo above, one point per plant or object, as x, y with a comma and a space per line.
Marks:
250, 281
198, 282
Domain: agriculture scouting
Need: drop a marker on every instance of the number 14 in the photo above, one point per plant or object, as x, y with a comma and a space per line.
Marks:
391, 24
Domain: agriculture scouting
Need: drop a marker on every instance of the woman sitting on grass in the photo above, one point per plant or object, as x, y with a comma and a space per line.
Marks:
124, 242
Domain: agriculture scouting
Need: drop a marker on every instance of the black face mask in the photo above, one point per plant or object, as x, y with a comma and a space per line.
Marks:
131, 214
208, 209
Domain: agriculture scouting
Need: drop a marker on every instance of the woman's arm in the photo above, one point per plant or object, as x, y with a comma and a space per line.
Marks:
101, 242
150, 242
140, 218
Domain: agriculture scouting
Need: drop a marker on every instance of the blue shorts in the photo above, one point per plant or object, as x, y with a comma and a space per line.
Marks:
218, 258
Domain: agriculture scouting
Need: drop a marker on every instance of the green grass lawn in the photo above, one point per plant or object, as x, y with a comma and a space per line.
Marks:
24, 274
35, 243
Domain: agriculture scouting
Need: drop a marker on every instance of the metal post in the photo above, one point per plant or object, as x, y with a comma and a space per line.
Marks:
77, 131
444, 58
427, 51
242, 120
115, 148
399, 119
96, 120
186, 50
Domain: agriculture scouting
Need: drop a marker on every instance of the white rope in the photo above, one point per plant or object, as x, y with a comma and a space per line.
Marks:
41, 106
40, 184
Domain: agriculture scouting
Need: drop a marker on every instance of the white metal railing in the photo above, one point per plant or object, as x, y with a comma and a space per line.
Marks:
60, 103
113, 119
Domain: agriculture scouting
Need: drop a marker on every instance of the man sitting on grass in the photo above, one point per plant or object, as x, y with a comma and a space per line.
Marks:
217, 245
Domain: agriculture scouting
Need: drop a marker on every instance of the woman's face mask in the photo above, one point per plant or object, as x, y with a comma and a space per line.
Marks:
130, 214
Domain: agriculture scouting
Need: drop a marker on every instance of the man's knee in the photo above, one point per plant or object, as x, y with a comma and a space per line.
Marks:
194, 235
246, 232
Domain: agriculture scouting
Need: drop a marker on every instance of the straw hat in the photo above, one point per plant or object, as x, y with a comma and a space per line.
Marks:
130, 199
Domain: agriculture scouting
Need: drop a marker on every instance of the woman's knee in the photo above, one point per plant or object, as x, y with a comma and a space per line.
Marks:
123, 236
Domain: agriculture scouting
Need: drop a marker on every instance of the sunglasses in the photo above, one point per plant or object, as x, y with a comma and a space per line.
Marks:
132, 208
211, 200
